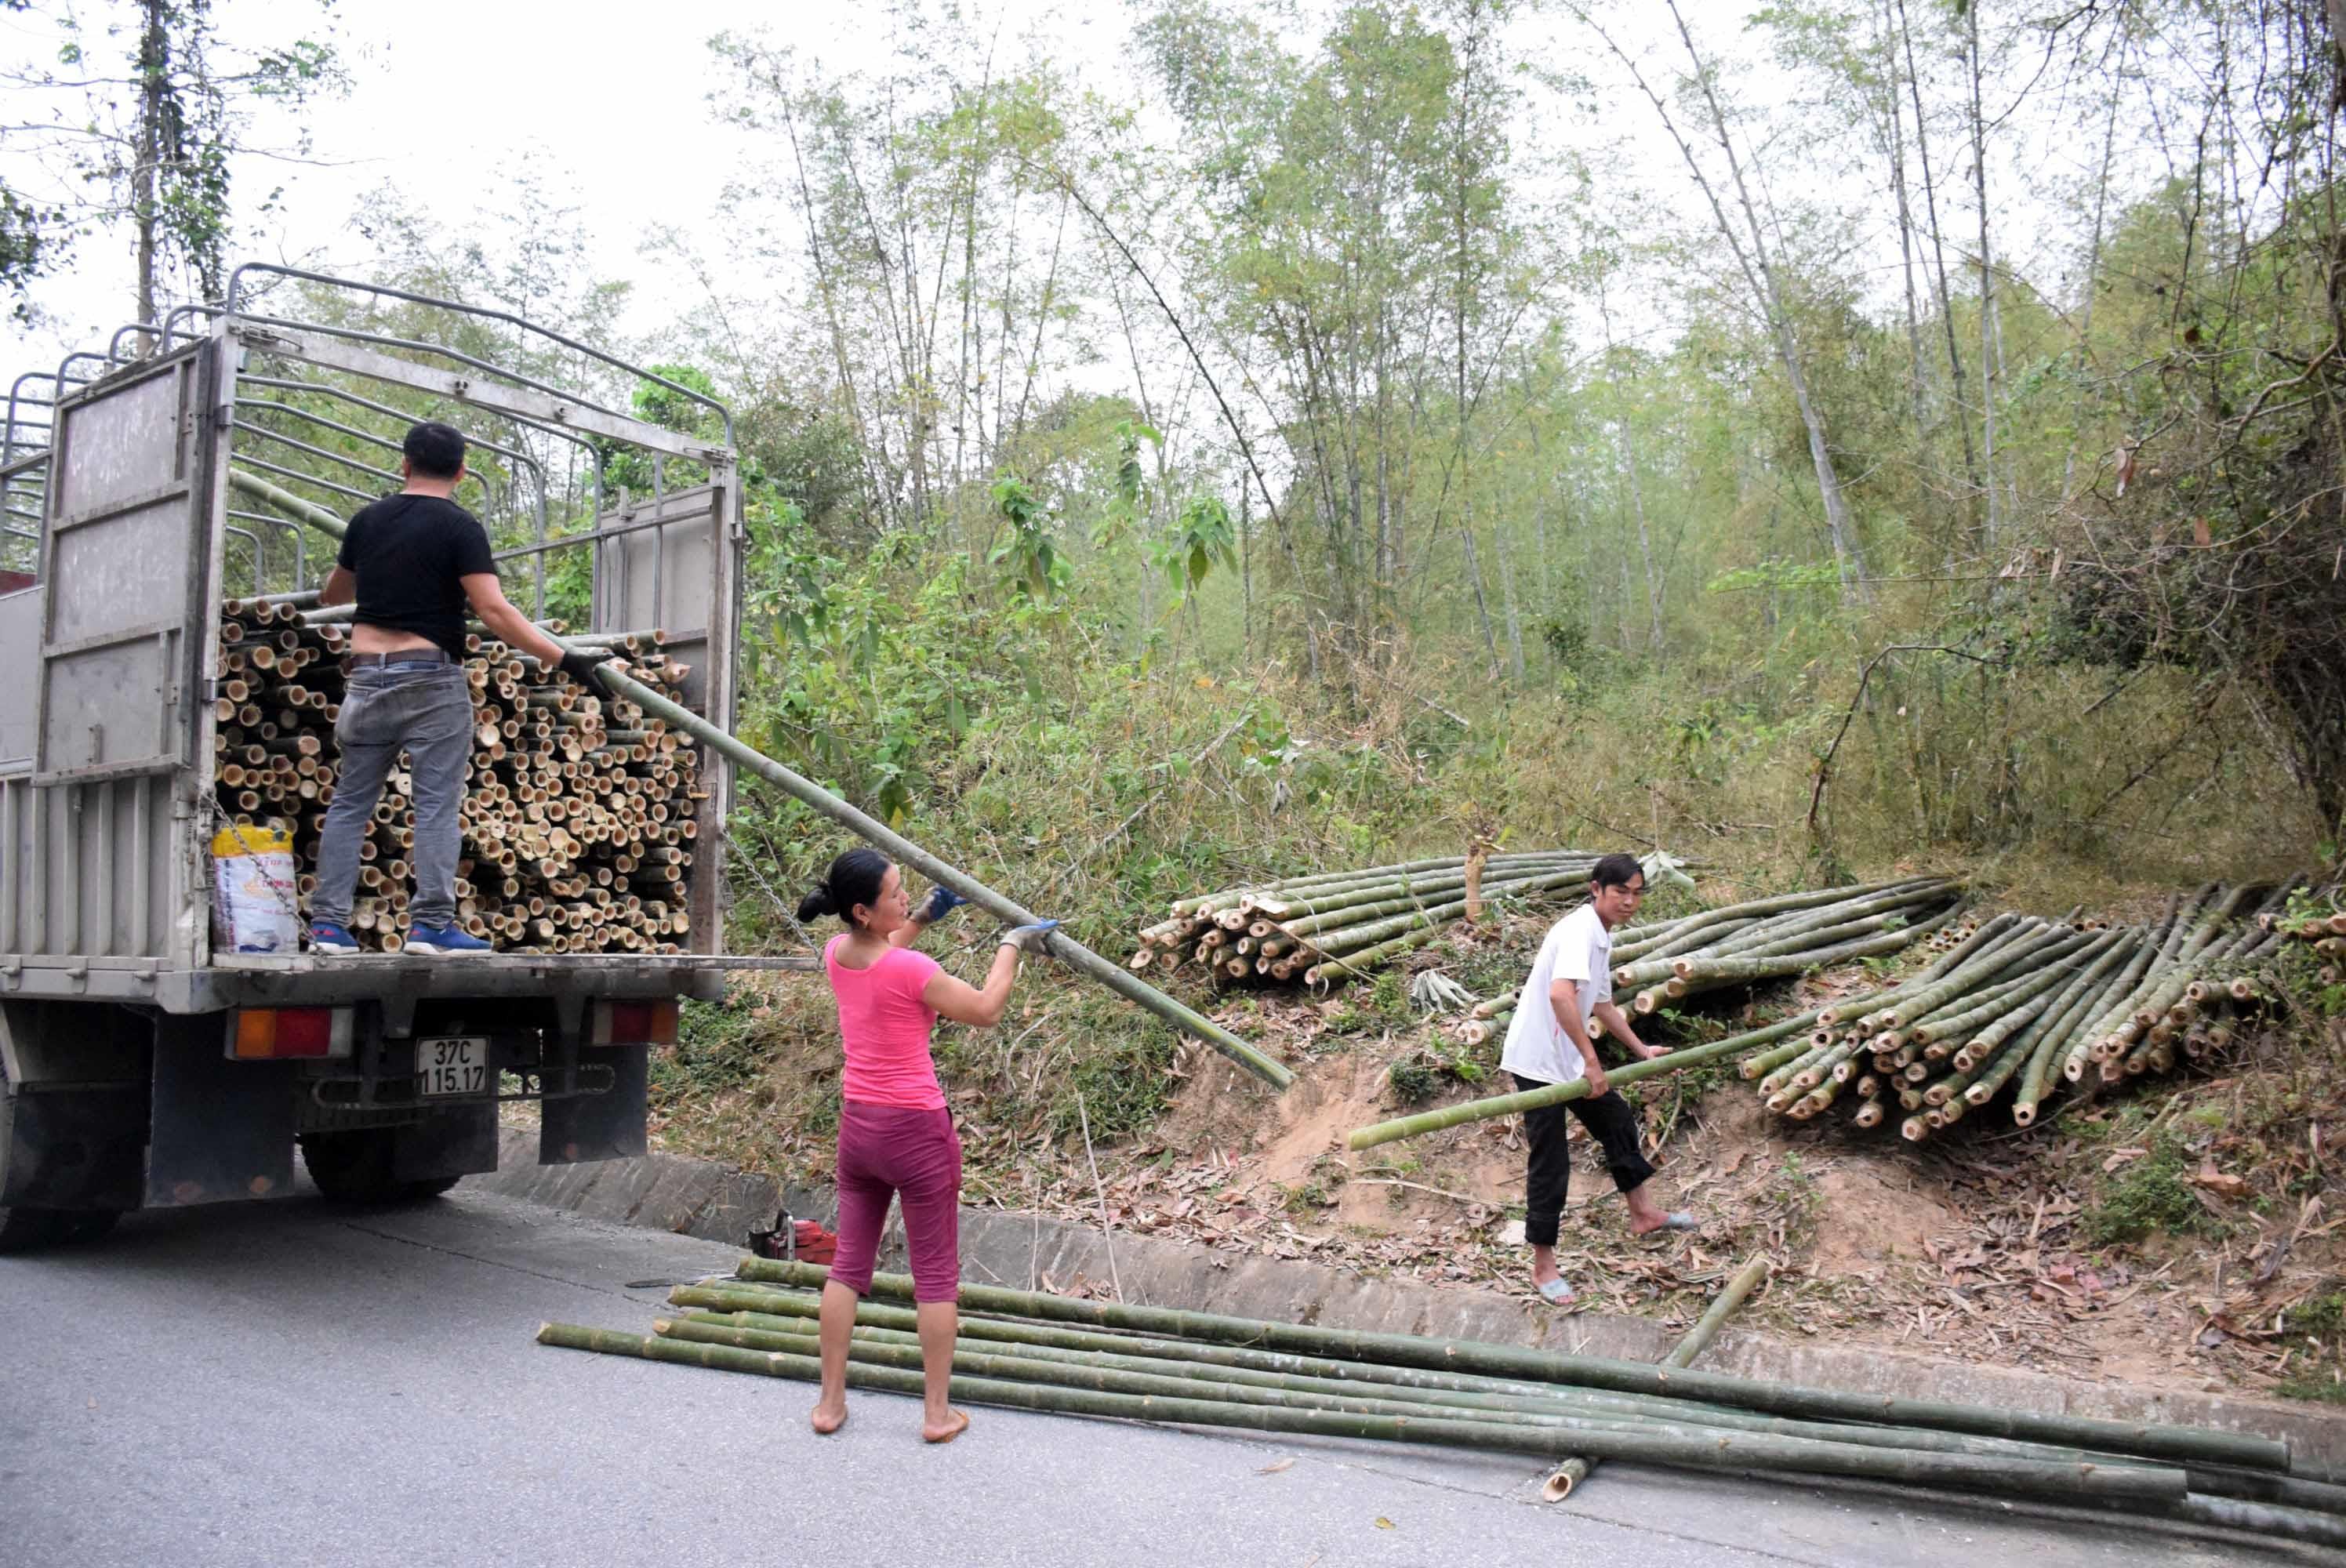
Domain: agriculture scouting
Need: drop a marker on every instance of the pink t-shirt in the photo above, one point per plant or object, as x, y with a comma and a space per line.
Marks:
885, 1026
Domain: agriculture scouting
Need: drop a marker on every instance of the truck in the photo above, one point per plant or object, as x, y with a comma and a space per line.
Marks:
144, 1064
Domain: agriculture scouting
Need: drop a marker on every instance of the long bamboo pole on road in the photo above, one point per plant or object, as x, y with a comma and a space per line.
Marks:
2137, 1440
1060, 945
1574, 1471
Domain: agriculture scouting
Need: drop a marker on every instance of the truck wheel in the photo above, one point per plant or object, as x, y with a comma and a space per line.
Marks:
22, 1229
355, 1167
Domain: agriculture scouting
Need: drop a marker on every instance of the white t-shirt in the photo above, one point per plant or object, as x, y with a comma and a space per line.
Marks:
1578, 949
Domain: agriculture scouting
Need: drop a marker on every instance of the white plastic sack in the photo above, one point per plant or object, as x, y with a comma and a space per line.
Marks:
255, 908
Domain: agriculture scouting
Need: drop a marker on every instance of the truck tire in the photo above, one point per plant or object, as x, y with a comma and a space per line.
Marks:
354, 1167
22, 1228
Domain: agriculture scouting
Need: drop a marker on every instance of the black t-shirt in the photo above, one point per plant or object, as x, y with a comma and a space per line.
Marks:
410, 552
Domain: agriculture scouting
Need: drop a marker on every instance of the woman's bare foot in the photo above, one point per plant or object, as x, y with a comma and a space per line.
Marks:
956, 1423
828, 1418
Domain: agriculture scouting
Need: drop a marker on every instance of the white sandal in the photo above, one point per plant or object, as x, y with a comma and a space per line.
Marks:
1557, 1293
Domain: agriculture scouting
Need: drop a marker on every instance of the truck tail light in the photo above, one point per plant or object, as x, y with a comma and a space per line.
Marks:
635, 1024
277, 1034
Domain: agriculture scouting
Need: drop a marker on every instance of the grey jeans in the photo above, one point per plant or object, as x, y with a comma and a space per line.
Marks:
425, 710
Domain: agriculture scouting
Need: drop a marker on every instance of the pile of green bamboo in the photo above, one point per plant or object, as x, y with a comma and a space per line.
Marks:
2030, 1005
1759, 940
1328, 926
1034, 1351
2019, 1003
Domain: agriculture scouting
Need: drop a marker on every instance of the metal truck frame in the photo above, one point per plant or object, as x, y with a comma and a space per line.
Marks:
120, 1081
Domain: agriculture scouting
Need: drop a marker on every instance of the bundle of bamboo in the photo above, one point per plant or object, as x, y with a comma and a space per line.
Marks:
1765, 939
2030, 1003
1042, 1352
578, 814
1329, 926
2018, 1002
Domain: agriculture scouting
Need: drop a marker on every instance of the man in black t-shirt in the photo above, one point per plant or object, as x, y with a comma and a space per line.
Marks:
414, 563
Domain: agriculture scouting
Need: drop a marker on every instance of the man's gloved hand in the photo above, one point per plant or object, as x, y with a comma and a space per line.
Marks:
1030, 938
580, 665
942, 902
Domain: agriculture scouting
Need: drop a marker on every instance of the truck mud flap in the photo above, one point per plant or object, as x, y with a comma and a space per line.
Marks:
221, 1130
71, 1148
606, 1127
459, 1141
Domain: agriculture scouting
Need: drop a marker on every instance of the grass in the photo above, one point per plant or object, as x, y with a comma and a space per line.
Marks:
1714, 756
2148, 1196
2316, 1328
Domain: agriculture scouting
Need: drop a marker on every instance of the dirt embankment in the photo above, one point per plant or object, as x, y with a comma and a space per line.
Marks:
2022, 1249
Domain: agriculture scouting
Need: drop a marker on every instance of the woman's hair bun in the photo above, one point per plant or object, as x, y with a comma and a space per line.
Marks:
854, 879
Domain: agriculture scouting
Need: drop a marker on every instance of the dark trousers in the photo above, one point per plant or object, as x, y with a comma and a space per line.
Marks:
1609, 1120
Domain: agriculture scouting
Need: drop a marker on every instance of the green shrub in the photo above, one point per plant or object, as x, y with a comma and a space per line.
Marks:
2147, 1196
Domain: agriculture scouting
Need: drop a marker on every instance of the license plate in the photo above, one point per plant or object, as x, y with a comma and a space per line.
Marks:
455, 1065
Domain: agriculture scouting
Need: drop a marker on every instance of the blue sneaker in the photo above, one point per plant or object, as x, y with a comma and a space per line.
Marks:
448, 941
327, 937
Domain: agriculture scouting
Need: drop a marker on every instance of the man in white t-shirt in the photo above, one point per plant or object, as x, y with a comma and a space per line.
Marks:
1549, 1042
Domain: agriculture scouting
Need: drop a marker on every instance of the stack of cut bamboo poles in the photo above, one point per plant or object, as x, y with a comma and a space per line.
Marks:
578, 813
1771, 937
1331, 925
1737, 944
2019, 1003
1035, 1351
2031, 1004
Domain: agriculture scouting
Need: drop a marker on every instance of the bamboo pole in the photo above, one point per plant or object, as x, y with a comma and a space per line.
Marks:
1741, 971
1552, 1095
768, 1309
1574, 1470
2148, 1441
1060, 945
1709, 1450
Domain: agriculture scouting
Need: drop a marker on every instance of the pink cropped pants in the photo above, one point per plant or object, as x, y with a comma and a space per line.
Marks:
884, 1152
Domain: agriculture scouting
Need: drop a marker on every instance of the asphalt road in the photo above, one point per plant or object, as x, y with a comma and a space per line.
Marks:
290, 1383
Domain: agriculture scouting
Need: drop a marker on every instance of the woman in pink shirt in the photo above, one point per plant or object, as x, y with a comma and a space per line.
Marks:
896, 1139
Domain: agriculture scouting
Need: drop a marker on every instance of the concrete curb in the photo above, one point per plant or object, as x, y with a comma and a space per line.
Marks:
694, 1197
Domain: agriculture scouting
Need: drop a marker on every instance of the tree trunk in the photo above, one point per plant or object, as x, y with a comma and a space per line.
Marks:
1905, 233
1986, 284
1246, 571
1751, 249
1938, 250
145, 175
1628, 443
2093, 279
1507, 598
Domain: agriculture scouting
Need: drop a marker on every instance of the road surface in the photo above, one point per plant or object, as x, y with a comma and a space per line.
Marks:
290, 1383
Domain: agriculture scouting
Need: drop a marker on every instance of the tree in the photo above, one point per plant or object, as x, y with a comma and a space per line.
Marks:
1754, 260
149, 107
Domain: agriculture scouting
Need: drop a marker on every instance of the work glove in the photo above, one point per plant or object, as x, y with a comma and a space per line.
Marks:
1030, 938
580, 665
942, 900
